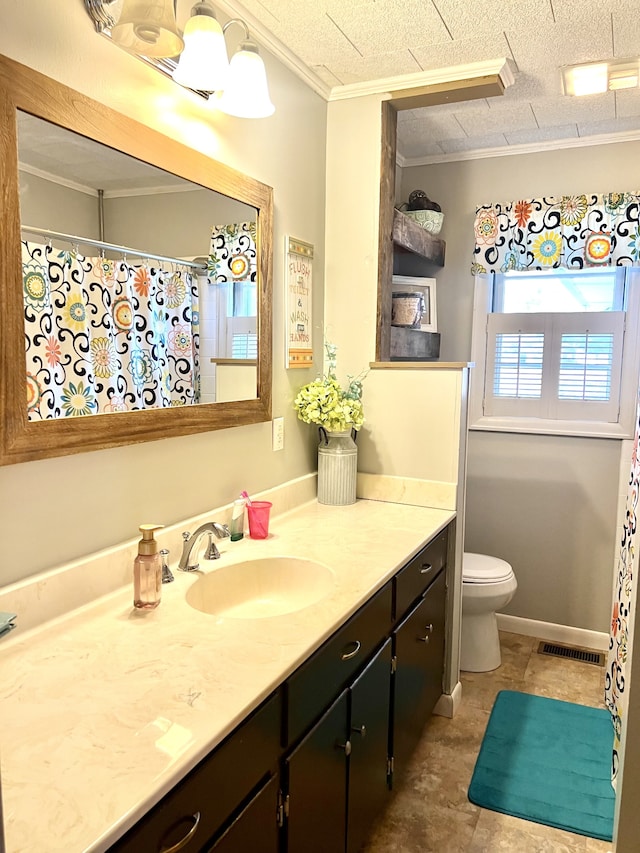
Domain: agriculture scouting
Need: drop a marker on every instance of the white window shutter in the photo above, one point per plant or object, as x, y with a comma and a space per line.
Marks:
559, 366
586, 359
515, 366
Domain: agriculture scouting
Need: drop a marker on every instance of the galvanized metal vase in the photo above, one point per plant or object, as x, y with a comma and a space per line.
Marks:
337, 468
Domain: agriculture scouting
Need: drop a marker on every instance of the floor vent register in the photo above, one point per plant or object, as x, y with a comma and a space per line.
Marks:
584, 655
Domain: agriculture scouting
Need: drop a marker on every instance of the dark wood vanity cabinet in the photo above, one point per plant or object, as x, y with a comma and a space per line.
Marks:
312, 768
336, 778
363, 724
204, 811
369, 720
419, 647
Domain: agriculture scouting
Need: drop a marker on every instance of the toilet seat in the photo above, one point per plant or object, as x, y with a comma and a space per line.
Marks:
483, 569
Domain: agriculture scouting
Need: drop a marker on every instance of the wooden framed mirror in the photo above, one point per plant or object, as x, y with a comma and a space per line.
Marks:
29, 99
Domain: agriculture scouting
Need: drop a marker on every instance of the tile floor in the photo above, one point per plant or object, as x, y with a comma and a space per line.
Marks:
430, 811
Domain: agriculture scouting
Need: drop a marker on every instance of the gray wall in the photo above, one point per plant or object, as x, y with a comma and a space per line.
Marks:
175, 224
547, 504
50, 205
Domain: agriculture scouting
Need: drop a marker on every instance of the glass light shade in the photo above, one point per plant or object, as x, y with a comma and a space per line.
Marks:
204, 63
148, 28
246, 94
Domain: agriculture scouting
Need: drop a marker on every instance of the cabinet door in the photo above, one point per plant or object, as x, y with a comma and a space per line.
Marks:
368, 786
316, 774
417, 682
332, 668
256, 827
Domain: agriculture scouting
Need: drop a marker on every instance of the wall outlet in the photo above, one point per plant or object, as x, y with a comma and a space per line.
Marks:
277, 434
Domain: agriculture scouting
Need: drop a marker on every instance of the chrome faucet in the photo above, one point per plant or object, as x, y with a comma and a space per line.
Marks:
220, 531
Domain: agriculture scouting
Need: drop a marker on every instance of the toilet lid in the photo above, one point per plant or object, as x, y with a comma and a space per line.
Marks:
481, 568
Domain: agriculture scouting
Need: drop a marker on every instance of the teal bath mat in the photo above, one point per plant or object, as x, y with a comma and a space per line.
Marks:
549, 762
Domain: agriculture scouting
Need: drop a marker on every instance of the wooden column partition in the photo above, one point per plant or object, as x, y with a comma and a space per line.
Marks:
385, 232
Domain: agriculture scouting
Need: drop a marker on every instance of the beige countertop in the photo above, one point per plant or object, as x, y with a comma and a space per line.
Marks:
103, 710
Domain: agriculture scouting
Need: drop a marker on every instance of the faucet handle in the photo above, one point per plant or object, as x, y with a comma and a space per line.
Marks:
222, 531
212, 552
167, 575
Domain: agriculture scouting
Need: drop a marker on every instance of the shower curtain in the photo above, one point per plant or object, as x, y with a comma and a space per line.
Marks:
107, 336
619, 639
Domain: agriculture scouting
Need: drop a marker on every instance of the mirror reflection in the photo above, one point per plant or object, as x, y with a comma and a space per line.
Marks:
139, 286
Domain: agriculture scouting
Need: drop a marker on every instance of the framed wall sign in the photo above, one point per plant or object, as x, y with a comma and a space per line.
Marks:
299, 266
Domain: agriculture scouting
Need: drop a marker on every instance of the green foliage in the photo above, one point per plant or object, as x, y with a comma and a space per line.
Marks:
324, 402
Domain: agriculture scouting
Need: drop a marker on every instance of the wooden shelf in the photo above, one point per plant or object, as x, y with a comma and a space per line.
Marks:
410, 237
414, 344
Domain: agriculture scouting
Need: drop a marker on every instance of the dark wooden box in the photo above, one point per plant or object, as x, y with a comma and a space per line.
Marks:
414, 344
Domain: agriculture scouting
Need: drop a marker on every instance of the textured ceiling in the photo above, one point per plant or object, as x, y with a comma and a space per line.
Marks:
53, 152
342, 42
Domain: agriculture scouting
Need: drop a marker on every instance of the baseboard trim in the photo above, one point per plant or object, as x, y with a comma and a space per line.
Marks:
448, 703
553, 633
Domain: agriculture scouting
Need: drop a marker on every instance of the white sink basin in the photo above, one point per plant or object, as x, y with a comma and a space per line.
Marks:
258, 589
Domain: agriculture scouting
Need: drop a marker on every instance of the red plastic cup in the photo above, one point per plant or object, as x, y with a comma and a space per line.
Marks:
258, 514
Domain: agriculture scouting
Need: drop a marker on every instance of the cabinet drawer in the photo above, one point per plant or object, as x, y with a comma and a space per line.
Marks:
318, 681
213, 790
412, 580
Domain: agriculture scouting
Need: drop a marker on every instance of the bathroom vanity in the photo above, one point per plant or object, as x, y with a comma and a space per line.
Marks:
312, 768
208, 732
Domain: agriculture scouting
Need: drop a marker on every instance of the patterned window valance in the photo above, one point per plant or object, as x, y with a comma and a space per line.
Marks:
570, 231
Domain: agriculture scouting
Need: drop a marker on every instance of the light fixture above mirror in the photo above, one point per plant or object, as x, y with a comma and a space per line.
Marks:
196, 59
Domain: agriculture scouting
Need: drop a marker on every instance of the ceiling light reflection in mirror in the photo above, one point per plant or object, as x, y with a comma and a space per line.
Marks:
75, 186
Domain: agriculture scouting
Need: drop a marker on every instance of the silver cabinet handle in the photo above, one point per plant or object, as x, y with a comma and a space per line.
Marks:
349, 655
359, 730
425, 639
426, 567
183, 841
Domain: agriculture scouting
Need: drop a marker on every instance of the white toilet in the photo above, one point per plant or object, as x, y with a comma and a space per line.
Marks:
488, 584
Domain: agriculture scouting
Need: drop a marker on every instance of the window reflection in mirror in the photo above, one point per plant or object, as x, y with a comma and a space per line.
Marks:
111, 330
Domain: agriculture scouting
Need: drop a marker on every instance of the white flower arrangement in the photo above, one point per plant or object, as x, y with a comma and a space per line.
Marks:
324, 402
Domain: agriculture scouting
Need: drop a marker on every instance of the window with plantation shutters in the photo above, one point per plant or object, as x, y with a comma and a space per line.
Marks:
557, 365
556, 370
244, 345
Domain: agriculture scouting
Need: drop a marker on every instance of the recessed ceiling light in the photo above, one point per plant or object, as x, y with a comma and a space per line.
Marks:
586, 79
597, 77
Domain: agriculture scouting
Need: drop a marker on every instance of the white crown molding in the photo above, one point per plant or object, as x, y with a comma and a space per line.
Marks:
526, 148
501, 67
275, 46
420, 79
158, 190
56, 179
119, 193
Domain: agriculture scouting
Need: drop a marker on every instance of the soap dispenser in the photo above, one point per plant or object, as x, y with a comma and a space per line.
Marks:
147, 570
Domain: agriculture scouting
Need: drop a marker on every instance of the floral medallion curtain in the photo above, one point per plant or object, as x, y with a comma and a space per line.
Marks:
232, 266
106, 336
570, 231
619, 639
232, 254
